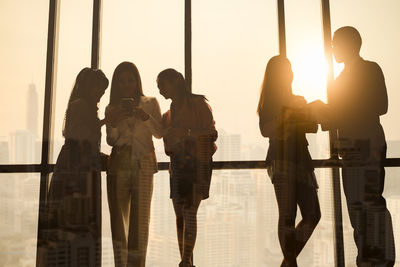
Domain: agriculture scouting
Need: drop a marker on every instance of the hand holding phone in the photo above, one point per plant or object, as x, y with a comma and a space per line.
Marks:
127, 105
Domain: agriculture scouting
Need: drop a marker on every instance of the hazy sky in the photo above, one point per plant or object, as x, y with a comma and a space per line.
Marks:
232, 42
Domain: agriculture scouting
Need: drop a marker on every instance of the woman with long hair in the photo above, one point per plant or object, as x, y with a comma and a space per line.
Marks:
74, 202
132, 120
190, 143
284, 119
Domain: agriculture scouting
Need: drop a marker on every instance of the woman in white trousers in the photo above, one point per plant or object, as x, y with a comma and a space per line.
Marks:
132, 120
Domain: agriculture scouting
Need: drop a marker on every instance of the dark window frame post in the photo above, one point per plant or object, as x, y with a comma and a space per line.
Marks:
337, 202
48, 119
44, 168
337, 197
281, 27
96, 34
188, 43
188, 50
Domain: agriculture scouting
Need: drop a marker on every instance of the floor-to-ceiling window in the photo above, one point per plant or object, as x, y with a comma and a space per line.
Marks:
23, 30
231, 44
380, 44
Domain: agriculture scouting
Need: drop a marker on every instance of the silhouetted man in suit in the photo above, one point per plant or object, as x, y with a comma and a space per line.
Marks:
357, 98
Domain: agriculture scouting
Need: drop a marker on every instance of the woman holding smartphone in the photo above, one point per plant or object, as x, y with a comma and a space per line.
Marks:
284, 118
132, 120
189, 141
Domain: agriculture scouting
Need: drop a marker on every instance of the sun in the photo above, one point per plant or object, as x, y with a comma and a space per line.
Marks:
310, 72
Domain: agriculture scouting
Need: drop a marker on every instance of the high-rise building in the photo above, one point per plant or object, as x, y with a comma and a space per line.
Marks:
32, 117
23, 144
4, 152
229, 146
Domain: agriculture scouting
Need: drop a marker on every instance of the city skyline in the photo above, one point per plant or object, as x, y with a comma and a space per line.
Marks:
238, 199
231, 45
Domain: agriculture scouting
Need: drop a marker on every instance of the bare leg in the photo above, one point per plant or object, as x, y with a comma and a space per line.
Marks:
186, 222
178, 207
287, 205
307, 199
190, 228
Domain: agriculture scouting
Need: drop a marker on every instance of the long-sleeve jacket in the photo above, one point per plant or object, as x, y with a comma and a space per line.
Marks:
357, 98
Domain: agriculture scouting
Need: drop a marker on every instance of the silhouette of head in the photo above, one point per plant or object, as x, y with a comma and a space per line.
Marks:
346, 44
90, 85
277, 81
126, 82
172, 84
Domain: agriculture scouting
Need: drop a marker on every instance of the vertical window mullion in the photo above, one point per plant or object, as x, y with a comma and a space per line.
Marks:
96, 34
281, 27
188, 43
337, 201
48, 118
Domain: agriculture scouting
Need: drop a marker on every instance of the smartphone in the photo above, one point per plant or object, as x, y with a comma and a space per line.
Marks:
127, 104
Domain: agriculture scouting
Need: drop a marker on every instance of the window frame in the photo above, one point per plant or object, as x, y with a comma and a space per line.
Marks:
45, 168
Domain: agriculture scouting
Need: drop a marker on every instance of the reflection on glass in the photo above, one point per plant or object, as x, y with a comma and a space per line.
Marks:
163, 247
236, 226
23, 55
392, 197
19, 204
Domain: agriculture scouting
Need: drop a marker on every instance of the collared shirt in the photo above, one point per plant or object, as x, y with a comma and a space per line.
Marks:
137, 133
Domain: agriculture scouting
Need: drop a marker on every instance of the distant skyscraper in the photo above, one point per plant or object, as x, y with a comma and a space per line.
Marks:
23, 147
4, 152
32, 110
229, 146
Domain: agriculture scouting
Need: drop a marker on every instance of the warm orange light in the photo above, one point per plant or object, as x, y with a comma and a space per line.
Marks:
310, 72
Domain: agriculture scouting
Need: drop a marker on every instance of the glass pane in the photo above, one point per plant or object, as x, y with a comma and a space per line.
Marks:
74, 52
380, 44
107, 247
23, 30
151, 38
231, 46
238, 223
391, 194
163, 246
350, 249
19, 205
305, 50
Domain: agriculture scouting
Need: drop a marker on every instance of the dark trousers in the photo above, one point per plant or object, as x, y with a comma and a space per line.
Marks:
369, 217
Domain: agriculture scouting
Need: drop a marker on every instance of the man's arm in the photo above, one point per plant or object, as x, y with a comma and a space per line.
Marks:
379, 99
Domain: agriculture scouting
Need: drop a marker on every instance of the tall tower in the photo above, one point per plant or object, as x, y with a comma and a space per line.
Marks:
32, 111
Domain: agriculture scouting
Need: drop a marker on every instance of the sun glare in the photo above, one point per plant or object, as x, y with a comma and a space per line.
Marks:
310, 73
